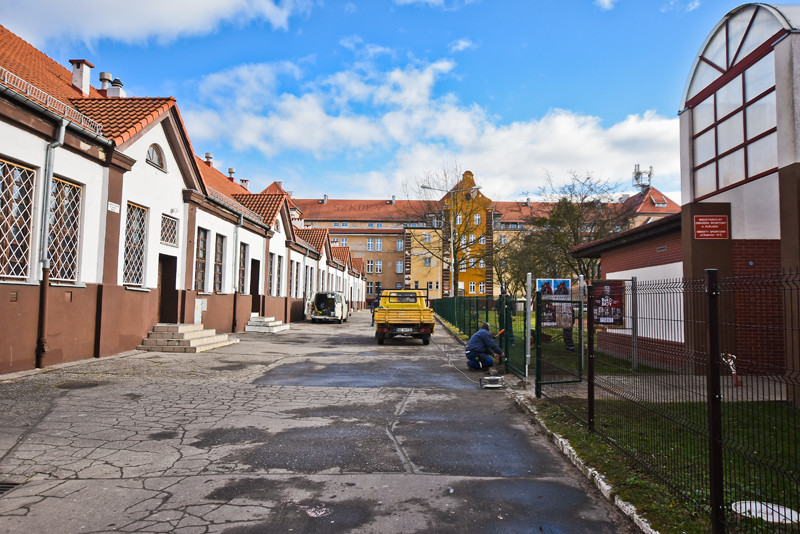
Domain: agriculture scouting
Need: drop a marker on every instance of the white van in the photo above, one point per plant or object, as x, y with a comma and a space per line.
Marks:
328, 306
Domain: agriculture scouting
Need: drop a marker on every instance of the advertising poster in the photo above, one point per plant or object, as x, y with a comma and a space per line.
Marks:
554, 313
609, 302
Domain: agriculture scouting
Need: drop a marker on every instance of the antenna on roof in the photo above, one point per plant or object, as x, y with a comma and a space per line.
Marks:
641, 179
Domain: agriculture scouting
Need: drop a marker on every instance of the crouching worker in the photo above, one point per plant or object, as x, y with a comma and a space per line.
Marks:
480, 348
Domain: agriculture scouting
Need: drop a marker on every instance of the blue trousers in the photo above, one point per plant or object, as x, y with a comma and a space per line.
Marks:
479, 361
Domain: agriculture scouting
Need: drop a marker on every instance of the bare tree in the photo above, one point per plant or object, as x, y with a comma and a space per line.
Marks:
452, 214
581, 210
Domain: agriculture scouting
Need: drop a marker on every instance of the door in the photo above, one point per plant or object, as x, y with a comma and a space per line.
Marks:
255, 279
167, 292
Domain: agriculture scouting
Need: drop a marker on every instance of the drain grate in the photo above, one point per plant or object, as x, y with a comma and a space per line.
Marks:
5, 487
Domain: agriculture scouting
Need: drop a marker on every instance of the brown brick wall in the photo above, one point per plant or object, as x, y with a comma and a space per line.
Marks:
660, 250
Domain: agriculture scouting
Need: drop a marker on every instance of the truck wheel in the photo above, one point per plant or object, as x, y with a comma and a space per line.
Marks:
380, 339
426, 340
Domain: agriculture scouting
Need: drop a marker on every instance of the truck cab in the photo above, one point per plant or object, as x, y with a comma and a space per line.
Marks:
404, 313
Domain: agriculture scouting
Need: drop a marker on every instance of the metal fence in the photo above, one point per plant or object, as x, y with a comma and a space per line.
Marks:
699, 385
507, 316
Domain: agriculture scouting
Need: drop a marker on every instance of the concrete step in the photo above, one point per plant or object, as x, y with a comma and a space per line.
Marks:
259, 320
267, 329
184, 338
190, 349
192, 334
177, 327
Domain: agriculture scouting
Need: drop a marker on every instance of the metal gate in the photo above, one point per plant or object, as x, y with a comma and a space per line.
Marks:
558, 341
512, 321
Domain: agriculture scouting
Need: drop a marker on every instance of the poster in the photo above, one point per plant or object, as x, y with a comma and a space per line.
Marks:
554, 313
609, 302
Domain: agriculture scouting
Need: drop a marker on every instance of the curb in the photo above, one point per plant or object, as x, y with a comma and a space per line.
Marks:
593, 475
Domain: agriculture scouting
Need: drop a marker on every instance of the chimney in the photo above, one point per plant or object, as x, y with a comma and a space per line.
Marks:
82, 75
393, 200
245, 183
105, 80
209, 157
115, 91
231, 172
324, 199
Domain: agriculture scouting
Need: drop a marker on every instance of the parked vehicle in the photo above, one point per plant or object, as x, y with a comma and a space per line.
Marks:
404, 313
328, 306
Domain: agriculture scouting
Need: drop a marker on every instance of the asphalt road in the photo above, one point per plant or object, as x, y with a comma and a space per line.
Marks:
316, 429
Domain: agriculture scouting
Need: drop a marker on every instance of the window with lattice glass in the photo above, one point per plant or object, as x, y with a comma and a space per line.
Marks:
219, 251
135, 241
16, 219
242, 266
64, 242
155, 157
169, 230
200, 260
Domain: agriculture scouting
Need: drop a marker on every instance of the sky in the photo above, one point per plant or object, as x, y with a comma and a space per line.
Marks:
366, 98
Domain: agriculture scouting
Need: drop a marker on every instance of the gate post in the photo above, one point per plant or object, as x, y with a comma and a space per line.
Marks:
714, 404
538, 343
590, 357
528, 285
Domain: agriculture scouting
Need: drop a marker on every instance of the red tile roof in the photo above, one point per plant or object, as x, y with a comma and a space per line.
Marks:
652, 201
275, 188
121, 118
342, 254
268, 206
358, 264
359, 210
521, 211
317, 237
218, 181
30, 64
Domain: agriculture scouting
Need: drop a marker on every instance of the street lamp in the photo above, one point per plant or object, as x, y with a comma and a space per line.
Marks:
450, 193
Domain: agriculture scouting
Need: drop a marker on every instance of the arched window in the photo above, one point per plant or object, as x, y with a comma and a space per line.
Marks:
731, 93
156, 157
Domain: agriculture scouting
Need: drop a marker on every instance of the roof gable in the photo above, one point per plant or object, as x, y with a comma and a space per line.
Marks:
267, 206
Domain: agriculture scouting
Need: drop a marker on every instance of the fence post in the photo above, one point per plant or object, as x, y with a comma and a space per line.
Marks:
538, 343
528, 286
634, 324
714, 404
590, 357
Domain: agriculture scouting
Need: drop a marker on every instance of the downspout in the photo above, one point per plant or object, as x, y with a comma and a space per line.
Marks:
44, 242
235, 254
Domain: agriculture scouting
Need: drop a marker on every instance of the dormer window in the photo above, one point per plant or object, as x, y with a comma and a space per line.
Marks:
155, 157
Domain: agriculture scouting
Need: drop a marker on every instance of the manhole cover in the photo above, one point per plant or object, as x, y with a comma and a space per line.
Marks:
77, 384
771, 513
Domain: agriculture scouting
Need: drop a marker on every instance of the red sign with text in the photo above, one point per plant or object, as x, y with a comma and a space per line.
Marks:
711, 227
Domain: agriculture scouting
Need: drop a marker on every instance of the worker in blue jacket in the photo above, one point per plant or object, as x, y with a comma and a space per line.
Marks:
481, 347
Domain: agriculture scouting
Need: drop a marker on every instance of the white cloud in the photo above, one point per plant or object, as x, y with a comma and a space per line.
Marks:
680, 5
398, 118
605, 4
460, 45
141, 20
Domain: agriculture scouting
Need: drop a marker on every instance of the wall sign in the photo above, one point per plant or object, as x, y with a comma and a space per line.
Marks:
711, 227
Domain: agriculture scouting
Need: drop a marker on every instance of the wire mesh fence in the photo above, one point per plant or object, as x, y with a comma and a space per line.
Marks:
505, 314
712, 411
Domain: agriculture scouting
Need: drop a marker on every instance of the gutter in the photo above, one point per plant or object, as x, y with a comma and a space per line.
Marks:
44, 242
14, 95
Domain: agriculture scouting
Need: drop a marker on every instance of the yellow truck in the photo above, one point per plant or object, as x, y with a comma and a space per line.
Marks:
404, 313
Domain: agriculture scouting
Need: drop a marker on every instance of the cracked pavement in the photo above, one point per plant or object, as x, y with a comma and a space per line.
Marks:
315, 429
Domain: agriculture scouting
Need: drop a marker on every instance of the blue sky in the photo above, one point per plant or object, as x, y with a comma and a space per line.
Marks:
363, 98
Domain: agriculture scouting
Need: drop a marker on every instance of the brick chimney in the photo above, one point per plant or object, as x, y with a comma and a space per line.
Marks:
231, 172
209, 159
82, 75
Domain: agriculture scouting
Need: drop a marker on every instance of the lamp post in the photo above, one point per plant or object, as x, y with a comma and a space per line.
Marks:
452, 253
